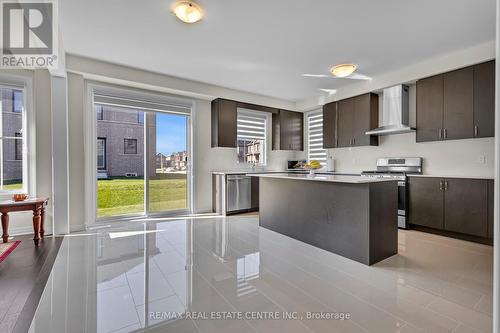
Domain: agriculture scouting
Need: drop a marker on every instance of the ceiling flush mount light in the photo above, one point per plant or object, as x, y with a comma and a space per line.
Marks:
187, 11
343, 70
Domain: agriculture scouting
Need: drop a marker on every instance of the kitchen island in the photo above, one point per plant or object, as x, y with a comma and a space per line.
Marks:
352, 216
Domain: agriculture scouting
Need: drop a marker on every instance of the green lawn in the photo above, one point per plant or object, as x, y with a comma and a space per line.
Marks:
13, 186
122, 196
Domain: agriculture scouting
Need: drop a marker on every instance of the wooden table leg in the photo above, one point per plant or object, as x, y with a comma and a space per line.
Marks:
5, 227
42, 221
36, 225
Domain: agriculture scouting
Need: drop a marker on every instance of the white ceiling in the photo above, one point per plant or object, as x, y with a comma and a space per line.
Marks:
263, 47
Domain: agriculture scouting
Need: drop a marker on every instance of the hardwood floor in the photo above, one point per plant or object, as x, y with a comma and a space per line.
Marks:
23, 275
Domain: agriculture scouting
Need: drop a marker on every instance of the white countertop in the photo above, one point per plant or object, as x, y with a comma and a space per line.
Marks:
244, 172
450, 176
282, 171
325, 178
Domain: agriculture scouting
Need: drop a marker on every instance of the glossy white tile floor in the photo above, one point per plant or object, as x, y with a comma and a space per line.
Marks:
112, 280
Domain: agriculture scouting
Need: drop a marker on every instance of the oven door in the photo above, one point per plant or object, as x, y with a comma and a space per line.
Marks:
402, 205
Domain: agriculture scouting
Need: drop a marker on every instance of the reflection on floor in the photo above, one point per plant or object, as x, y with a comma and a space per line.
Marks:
144, 276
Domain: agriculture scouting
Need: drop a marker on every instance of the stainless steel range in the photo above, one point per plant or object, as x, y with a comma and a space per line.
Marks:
397, 168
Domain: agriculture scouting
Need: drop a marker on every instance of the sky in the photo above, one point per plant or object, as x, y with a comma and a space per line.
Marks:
170, 133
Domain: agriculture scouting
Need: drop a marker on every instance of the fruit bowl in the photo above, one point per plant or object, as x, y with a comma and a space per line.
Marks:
19, 197
312, 166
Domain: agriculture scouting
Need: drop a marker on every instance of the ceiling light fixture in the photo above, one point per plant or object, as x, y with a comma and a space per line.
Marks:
343, 70
187, 11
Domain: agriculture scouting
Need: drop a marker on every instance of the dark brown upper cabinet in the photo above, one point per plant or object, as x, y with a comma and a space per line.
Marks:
459, 205
345, 122
457, 105
484, 99
365, 119
330, 125
430, 108
288, 130
353, 117
224, 116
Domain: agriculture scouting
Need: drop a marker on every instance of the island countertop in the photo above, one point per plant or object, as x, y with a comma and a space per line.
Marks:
324, 178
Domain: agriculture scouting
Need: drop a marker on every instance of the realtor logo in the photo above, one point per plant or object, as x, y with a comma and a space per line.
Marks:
29, 37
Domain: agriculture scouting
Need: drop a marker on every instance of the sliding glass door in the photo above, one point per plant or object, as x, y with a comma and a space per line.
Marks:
142, 158
168, 183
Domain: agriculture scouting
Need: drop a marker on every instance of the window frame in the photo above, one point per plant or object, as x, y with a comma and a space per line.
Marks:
176, 104
125, 140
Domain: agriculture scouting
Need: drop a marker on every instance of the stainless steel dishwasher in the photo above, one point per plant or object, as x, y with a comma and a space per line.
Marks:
238, 193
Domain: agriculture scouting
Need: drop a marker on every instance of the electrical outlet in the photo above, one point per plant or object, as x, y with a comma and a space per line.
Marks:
481, 159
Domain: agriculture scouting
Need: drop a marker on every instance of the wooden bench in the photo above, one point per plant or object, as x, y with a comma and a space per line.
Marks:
37, 205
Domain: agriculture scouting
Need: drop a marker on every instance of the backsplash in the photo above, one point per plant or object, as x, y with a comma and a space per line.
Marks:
473, 157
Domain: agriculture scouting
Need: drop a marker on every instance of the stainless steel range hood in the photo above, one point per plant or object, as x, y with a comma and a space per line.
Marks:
395, 113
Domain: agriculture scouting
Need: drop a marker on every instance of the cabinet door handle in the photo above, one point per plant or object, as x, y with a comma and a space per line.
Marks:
441, 185
476, 130
445, 185
440, 131
445, 133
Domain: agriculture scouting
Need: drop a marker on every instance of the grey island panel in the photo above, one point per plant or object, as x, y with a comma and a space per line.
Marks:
355, 220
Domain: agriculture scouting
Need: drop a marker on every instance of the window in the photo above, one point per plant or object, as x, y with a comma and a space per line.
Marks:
130, 146
19, 147
100, 112
315, 150
17, 101
13, 166
251, 128
101, 153
125, 146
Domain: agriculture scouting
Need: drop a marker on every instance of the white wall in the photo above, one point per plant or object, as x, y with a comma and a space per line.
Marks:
449, 158
76, 107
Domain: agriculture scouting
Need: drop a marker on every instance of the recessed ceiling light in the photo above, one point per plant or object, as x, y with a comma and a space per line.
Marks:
343, 70
187, 11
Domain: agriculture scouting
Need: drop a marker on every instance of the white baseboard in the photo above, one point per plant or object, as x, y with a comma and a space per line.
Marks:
203, 211
16, 231
77, 227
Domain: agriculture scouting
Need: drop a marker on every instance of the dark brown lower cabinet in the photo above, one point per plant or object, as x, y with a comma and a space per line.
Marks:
454, 206
255, 193
426, 202
491, 191
466, 206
